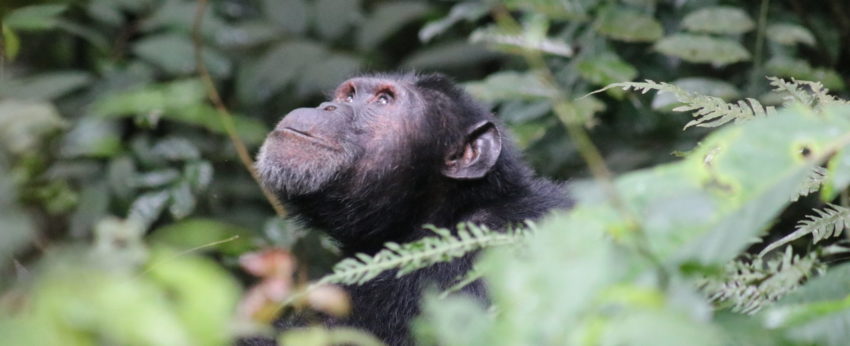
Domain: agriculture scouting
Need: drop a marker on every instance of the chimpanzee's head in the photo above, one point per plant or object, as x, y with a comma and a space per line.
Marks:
380, 129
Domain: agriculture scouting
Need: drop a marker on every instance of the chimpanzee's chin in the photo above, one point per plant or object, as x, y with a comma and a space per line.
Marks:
290, 172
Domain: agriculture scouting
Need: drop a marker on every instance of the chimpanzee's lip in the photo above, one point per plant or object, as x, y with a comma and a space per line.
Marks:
309, 138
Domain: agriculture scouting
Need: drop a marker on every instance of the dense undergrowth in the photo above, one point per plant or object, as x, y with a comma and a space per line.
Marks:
126, 216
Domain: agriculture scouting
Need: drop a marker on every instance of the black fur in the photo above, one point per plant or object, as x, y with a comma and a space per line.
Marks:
364, 210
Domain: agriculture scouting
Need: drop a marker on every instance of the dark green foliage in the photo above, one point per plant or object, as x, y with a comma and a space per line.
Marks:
117, 176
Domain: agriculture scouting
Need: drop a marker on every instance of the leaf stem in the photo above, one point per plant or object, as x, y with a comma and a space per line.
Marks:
223, 113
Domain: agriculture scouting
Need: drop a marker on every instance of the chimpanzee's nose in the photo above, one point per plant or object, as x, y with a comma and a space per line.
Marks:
327, 106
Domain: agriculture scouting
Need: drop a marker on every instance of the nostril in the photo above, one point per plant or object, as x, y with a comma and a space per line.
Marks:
330, 108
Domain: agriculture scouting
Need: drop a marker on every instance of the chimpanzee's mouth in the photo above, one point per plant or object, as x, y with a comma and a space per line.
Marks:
309, 138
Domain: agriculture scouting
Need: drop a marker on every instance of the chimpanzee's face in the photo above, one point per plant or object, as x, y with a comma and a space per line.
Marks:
363, 133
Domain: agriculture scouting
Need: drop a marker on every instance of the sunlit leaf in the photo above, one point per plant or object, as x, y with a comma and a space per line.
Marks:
147, 207
34, 17
606, 69
194, 232
468, 11
702, 49
801, 69
182, 200
448, 55
790, 34
11, 42
628, 25
718, 20
174, 54
23, 124
510, 85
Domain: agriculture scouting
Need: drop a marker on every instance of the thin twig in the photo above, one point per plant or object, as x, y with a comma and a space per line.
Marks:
590, 153
223, 113
757, 56
188, 251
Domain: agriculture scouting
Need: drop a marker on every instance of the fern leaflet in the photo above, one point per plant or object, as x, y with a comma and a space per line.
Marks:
830, 222
412, 256
708, 111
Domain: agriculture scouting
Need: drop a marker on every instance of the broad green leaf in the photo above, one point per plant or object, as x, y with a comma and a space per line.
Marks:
801, 69
335, 17
34, 17
176, 149
386, 20
45, 86
606, 69
790, 34
147, 207
292, 15
177, 16
510, 85
92, 137
11, 42
838, 175
201, 294
718, 20
24, 124
328, 336
702, 49
18, 227
155, 178
181, 100
517, 43
818, 312
448, 55
277, 68
174, 54
698, 85
199, 174
568, 9
468, 11
182, 200
628, 25
326, 74
196, 232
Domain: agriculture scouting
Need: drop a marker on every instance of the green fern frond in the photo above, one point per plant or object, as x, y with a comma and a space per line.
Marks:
412, 256
830, 222
749, 284
812, 183
708, 111
817, 96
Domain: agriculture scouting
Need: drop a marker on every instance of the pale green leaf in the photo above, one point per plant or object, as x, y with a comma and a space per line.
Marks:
174, 53
628, 25
606, 69
468, 11
510, 85
790, 34
719, 20
34, 17
703, 49
24, 124
44, 86
386, 20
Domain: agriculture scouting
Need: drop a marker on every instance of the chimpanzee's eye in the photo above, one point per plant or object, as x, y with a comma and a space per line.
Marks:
384, 98
350, 97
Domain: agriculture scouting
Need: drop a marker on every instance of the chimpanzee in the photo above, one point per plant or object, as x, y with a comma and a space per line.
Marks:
387, 155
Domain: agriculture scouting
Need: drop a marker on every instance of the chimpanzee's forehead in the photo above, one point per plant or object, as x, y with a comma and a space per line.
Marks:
366, 83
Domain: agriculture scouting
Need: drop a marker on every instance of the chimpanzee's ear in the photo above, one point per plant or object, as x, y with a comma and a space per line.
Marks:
478, 154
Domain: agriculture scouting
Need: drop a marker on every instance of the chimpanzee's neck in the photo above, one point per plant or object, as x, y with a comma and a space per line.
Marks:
383, 215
